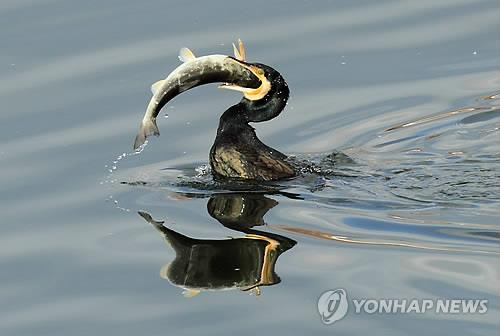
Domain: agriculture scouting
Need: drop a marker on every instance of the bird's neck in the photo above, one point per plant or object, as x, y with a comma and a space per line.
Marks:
237, 117
270, 106
234, 120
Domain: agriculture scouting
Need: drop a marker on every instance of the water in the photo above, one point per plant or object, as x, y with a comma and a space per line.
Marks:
408, 90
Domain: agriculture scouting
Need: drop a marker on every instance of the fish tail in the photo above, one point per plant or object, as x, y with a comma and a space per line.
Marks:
147, 128
150, 219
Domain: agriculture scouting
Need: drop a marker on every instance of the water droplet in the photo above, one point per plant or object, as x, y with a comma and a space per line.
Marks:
166, 116
343, 63
474, 52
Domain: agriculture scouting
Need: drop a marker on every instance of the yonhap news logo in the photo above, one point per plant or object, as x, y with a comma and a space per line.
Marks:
334, 305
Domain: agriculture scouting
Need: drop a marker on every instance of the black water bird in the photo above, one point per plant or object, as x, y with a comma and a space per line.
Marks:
245, 262
237, 152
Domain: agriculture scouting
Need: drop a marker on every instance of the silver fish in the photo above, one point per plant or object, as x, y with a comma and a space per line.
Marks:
234, 72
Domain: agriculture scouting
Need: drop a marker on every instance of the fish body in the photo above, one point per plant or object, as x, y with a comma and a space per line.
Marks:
193, 72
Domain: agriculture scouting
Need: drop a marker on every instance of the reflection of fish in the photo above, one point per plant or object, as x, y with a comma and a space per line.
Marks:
237, 152
243, 263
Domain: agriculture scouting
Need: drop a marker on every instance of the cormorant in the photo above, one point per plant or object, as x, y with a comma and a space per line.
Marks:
237, 151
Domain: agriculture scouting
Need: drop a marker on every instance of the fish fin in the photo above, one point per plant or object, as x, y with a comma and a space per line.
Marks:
235, 87
256, 291
156, 85
186, 55
189, 293
237, 54
164, 271
241, 47
147, 128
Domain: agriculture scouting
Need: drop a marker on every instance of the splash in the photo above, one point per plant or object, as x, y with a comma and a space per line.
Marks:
111, 170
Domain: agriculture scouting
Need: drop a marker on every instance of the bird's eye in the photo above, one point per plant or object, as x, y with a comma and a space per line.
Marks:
260, 72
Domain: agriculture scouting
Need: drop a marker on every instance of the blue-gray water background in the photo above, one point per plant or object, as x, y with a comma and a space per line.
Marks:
408, 89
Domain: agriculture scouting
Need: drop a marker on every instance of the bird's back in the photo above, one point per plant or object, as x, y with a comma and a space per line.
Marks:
238, 153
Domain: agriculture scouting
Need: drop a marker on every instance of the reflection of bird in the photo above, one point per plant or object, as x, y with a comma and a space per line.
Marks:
217, 264
236, 152
240, 211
